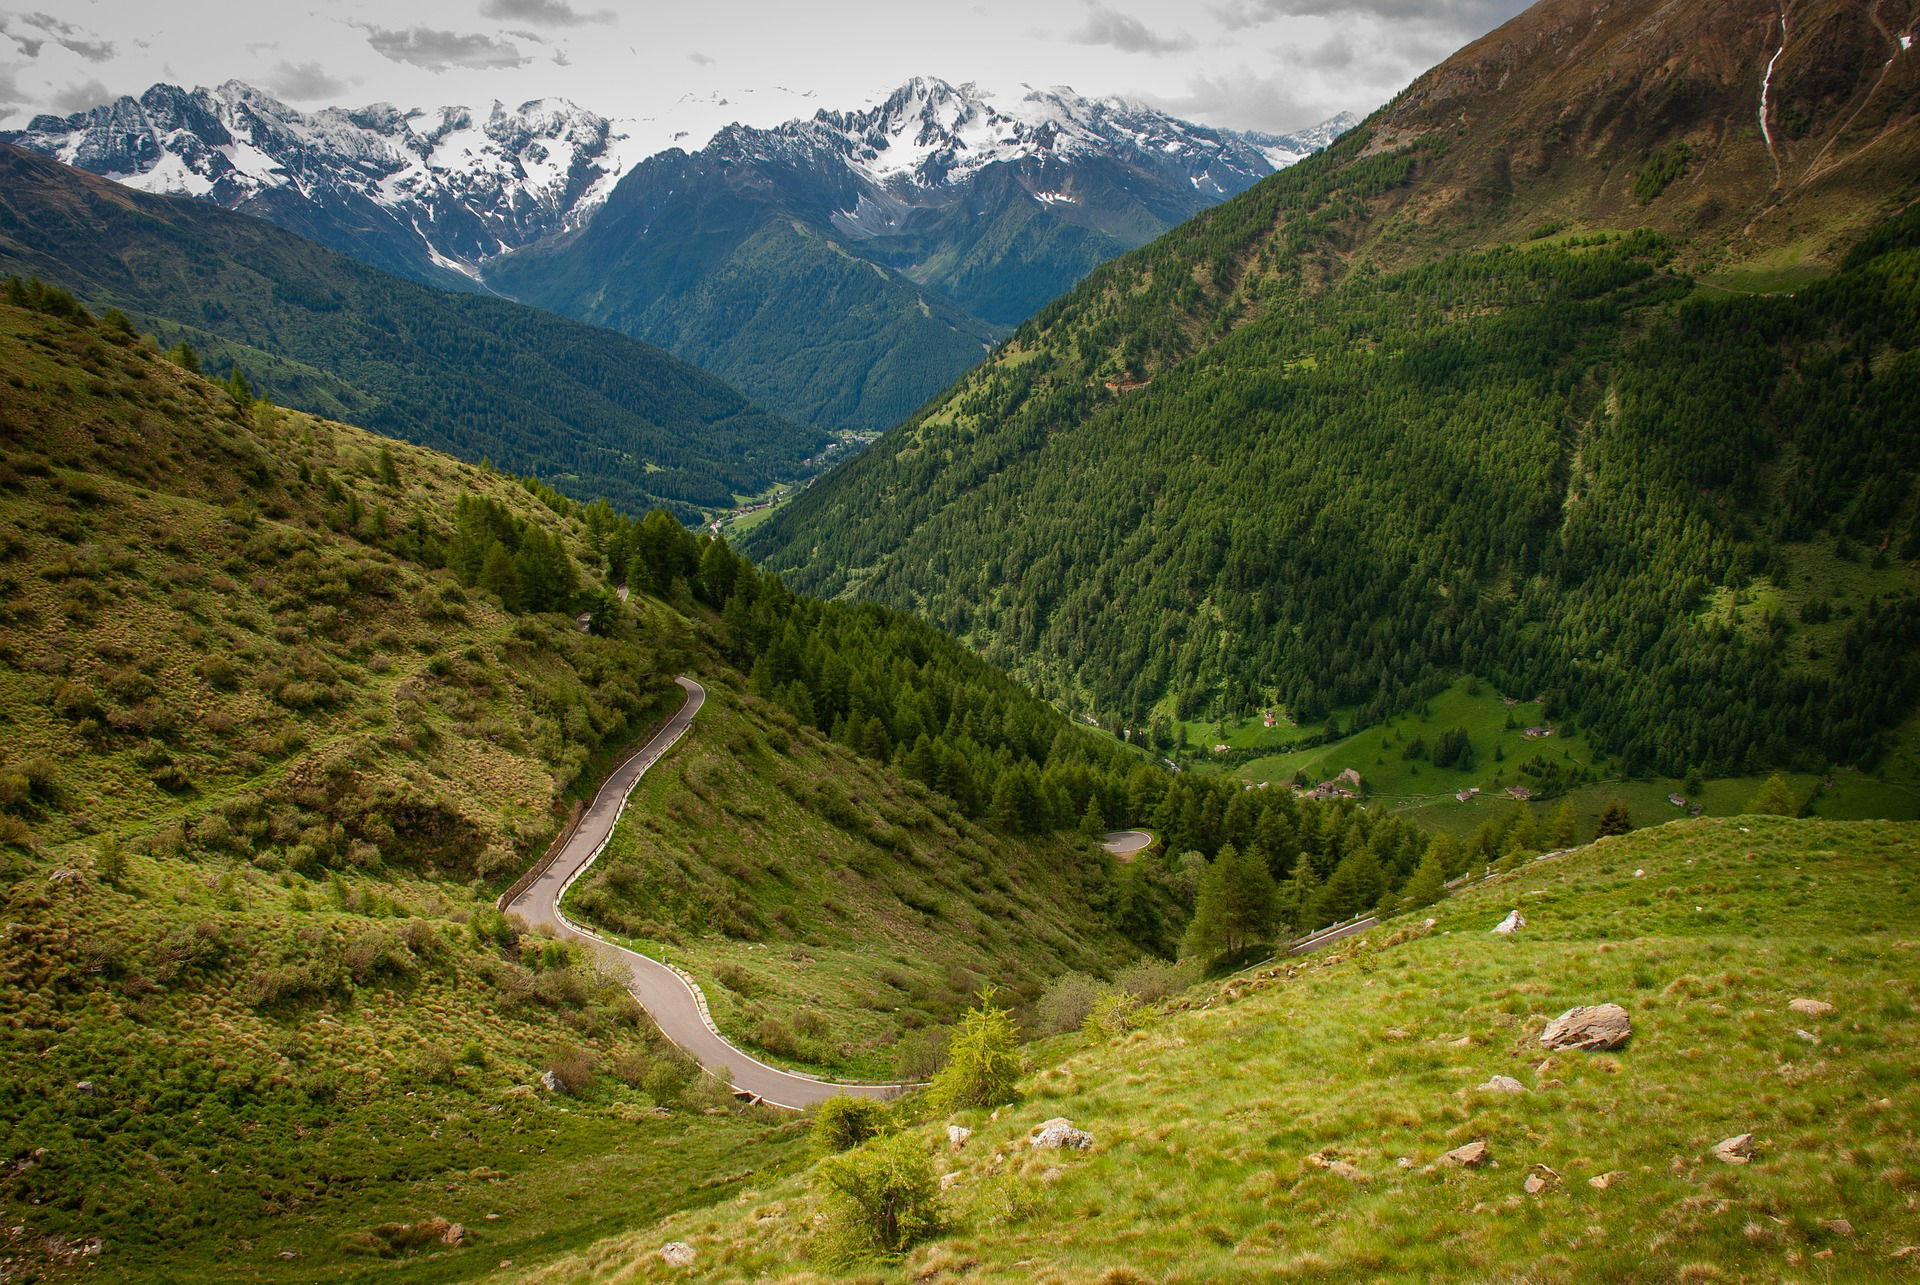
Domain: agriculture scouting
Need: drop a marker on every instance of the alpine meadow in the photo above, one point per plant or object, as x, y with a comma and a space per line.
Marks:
1140, 690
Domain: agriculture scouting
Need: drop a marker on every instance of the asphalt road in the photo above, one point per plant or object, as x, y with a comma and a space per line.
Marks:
671, 999
1125, 843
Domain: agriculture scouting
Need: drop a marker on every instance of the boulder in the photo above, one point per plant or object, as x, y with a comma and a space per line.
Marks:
677, 1253
1471, 1156
1811, 1007
1838, 1226
1736, 1150
1601, 1181
1595, 1029
1502, 1084
550, 1082
1539, 1179
1334, 1165
1808, 1036
453, 1234
957, 1136
948, 1179
1512, 924
1057, 1133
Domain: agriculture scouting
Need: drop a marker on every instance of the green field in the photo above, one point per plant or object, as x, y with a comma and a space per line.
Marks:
1222, 1152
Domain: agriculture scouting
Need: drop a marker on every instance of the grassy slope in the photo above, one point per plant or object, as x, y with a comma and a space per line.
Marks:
1425, 793
319, 760
835, 896
1205, 1119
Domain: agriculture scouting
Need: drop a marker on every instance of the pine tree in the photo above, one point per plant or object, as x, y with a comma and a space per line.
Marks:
1093, 823
1775, 798
1236, 905
388, 477
1565, 831
983, 1059
1615, 820
1429, 882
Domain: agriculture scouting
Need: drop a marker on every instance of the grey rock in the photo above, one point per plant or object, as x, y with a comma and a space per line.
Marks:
1736, 1150
1539, 1179
1811, 1007
1057, 1133
1595, 1028
1471, 1156
677, 1253
1601, 1181
1502, 1084
1513, 923
957, 1136
550, 1082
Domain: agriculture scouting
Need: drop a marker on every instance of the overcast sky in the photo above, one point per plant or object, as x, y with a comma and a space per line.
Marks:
1260, 64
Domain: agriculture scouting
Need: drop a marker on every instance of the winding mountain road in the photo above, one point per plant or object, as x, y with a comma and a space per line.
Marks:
673, 1000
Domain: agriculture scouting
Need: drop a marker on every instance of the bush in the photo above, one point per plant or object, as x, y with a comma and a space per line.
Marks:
844, 1122
572, 1068
983, 1062
1114, 1014
1151, 980
666, 1080
879, 1201
1065, 1003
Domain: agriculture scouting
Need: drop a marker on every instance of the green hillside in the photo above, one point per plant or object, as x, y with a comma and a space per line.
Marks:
593, 413
1290, 1123
1357, 434
285, 705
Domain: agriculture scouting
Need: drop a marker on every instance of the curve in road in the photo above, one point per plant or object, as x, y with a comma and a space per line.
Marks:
671, 997
1126, 843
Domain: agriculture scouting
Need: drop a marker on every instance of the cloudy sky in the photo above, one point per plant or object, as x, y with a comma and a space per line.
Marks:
1262, 64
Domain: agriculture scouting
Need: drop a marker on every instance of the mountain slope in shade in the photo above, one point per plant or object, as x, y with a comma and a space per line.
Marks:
429, 194
596, 413
845, 267
1418, 407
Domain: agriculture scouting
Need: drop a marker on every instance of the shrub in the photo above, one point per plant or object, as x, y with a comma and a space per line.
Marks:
983, 1062
1114, 1014
667, 1079
844, 1122
1065, 1003
1151, 980
734, 978
572, 1068
919, 1055
879, 1201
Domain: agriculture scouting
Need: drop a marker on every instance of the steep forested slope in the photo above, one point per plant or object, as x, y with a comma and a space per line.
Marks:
590, 411
1413, 408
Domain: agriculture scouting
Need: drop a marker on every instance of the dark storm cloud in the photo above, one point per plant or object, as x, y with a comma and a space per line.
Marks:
44, 29
444, 50
1126, 33
77, 98
1474, 16
307, 81
547, 13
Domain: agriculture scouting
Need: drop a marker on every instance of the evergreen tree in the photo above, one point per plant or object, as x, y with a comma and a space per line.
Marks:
1775, 798
1614, 820
1565, 831
1235, 905
983, 1059
1429, 882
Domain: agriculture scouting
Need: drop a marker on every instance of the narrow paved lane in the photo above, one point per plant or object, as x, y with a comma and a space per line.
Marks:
672, 1000
1127, 843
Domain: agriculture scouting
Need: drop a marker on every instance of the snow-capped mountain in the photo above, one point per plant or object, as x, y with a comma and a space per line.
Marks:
426, 192
845, 266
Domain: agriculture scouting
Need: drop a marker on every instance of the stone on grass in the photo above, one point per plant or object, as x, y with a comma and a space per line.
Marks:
1057, 1133
1736, 1150
1811, 1007
1334, 1165
948, 1179
1513, 923
1539, 1179
677, 1253
1601, 1181
1502, 1084
549, 1081
1471, 1156
1808, 1036
1595, 1028
1838, 1226
957, 1135
1906, 1251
